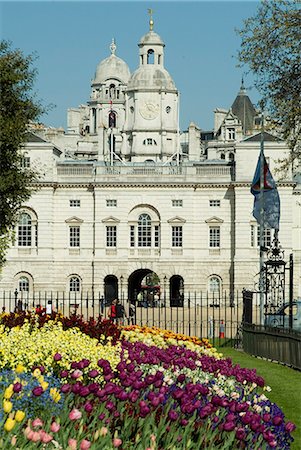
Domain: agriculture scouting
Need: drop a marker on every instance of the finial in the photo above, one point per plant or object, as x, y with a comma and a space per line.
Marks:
151, 22
113, 47
242, 90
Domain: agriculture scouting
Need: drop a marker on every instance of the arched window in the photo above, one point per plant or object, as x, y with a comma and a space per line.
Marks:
150, 57
27, 230
223, 156
112, 91
231, 156
112, 119
149, 141
74, 284
24, 284
144, 231
214, 285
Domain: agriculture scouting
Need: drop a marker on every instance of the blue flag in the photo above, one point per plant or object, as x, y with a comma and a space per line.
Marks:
271, 201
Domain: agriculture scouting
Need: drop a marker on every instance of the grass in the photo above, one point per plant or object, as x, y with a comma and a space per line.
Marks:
284, 381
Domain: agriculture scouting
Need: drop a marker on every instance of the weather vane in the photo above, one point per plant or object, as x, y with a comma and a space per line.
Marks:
151, 22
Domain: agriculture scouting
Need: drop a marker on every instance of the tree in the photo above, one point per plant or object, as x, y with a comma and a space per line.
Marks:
18, 107
270, 47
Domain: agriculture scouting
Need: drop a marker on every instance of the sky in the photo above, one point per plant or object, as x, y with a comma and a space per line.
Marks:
70, 38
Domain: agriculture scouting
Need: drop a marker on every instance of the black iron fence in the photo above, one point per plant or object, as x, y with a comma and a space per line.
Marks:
277, 344
216, 317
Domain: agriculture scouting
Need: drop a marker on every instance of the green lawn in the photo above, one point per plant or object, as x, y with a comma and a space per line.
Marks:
285, 384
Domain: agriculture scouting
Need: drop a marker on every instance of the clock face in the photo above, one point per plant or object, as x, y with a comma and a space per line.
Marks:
149, 110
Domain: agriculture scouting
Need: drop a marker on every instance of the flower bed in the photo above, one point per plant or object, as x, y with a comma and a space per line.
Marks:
151, 389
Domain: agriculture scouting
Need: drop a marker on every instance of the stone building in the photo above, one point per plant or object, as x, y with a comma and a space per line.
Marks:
123, 194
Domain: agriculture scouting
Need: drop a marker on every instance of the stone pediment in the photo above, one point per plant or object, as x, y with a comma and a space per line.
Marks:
74, 219
214, 220
110, 219
176, 220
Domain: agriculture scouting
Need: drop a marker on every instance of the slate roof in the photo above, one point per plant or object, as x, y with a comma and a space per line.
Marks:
243, 108
266, 137
31, 137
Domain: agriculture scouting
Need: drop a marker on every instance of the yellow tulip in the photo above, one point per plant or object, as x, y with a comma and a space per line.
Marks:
44, 385
9, 424
19, 416
7, 406
8, 392
19, 368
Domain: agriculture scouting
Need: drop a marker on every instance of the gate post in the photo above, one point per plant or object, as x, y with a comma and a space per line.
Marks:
247, 297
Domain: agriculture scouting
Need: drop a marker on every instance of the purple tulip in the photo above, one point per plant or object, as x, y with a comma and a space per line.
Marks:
57, 357
93, 373
88, 407
66, 388
101, 416
229, 426
173, 415
37, 391
240, 434
17, 387
290, 426
277, 420
84, 391
64, 373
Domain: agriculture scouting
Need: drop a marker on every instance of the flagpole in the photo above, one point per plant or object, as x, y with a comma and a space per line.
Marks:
261, 225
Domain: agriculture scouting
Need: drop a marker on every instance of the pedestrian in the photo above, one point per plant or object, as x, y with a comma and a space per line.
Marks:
132, 313
120, 313
112, 314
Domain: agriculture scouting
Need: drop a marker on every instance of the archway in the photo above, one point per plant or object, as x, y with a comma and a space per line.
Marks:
176, 290
110, 288
144, 288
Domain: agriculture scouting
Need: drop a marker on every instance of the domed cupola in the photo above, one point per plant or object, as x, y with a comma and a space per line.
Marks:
111, 68
151, 73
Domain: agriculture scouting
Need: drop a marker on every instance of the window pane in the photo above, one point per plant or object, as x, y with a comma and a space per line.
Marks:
214, 203
144, 231
214, 284
157, 236
74, 284
267, 237
24, 230
177, 236
112, 202
74, 234
111, 236
214, 237
132, 236
24, 284
75, 203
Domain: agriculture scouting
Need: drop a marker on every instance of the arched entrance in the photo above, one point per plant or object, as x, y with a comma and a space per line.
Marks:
176, 289
144, 284
110, 288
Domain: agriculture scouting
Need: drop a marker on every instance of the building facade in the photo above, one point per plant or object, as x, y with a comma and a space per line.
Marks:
123, 194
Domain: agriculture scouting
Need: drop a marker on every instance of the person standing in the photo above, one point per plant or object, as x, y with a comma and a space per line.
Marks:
112, 314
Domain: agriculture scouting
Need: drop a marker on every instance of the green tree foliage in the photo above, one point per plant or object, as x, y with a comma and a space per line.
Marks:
18, 107
271, 48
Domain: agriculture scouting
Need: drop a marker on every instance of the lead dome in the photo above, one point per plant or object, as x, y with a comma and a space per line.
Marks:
112, 67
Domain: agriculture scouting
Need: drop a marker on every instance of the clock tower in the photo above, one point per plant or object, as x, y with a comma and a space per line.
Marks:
151, 126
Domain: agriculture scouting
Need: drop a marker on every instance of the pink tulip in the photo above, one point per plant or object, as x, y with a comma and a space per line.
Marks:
103, 431
28, 433
76, 374
37, 422
85, 445
35, 436
117, 442
72, 443
45, 437
54, 427
75, 414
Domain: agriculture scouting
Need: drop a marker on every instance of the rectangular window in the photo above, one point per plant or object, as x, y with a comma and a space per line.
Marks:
231, 134
111, 236
24, 236
214, 237
74, 203
132, 236
157, 236
25, 162
177, 236
214, 203
267, 237
112, 203
255, 236
177, 203
74, 236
